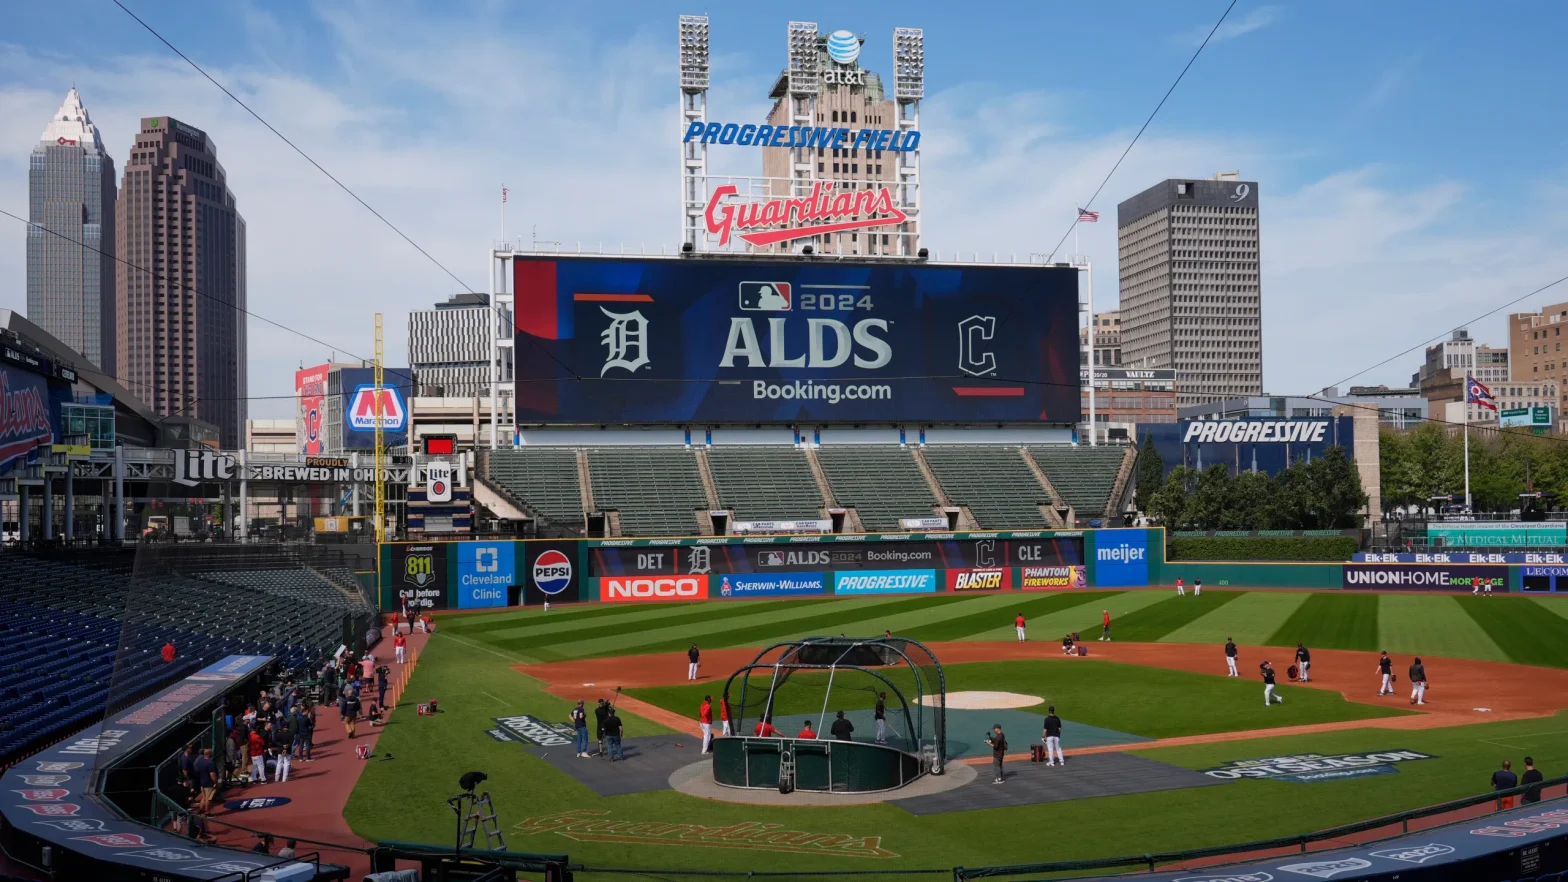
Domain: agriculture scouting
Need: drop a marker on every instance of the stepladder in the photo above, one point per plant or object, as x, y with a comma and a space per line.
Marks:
481, 817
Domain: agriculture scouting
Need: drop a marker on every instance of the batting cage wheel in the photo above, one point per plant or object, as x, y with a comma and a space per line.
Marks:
813, 682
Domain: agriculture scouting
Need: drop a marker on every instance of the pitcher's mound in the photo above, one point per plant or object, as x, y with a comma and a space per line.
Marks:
984, 700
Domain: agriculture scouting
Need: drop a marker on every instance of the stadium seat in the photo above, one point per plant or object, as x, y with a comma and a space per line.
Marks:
994, 483
883, 484
1084, 476
657, 490
769, 482
544, 477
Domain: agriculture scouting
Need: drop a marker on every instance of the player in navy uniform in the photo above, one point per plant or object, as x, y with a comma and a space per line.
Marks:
1230, 657
1303, 661
1385, 666
1268, 685
1053, 738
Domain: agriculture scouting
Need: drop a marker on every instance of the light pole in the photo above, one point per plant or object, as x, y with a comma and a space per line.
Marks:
1087, 269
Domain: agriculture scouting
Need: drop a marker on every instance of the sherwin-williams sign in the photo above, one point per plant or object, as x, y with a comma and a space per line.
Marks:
781, 585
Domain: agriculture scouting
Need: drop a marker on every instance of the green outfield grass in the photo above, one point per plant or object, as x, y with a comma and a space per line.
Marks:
1154, 622
1331, 621
401, 795
1151, 702
1251, 619
1427, 625
1521, 629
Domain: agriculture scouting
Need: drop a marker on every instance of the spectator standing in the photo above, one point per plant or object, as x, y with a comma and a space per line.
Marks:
600, 715
187, 758
705, 720
1505, 779
693, 658
998, 741
329, 682
399, 646
613, 730
842, 729
348, 706
881, 717
381, 684
168, 652
1417, 682
1532, 775
258, 758
580, 728
307, 728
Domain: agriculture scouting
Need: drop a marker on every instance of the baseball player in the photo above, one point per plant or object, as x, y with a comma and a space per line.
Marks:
1053, 738
724, 712
1181, 590
1303, 661
692, 659
881, 718
1230, 657
1385, 666
1105, 624
705, 719
1478, 584
1018, 625
1197, 587
1417, 682
1268, 685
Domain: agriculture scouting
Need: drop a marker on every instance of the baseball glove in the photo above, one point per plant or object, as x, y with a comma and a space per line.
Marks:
1393, 678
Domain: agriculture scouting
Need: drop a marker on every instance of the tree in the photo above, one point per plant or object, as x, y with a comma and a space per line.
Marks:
1211, 497
1334, 494
1169, 505
1151, 473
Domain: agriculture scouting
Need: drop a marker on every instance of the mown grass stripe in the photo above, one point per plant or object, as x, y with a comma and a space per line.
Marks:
1432, 625
1033, 606
1554, 603
615, 638
1251, 619
1332, 621
1155, 621
1520, 628
483, 623
860, 620
546, 629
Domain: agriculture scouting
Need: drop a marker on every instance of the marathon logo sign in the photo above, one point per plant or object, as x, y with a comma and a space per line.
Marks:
979, 580
1047, 578
639, 589
1313, 768
1425, 577
532, 730
1255, 431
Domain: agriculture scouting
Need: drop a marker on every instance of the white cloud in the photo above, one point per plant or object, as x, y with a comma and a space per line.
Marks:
1232, 28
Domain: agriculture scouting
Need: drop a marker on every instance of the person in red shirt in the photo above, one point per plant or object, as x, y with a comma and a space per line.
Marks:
724, 712
1105, 626
168, 652
399, 643
258, 758
1018, 624
705, 717
808, 732
764, 729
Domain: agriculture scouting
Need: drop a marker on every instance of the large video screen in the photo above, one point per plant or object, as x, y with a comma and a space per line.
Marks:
734, 341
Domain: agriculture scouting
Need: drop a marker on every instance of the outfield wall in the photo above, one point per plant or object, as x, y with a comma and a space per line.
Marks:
492, 574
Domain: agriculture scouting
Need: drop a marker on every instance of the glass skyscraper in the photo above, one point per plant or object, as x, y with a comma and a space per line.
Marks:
70, 267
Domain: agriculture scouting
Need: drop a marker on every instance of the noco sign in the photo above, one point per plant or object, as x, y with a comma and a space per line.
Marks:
639, 589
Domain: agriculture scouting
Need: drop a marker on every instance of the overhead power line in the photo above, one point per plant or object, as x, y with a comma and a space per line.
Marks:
1141, 129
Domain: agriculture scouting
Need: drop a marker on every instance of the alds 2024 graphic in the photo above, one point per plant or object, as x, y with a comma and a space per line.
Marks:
680, 340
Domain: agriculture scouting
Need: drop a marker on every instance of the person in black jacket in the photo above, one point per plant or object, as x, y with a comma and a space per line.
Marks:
1230, 657
600, 714
1531, 775
1385, 667
998, 742
692, 659
1417, 682
1267, 670
842, 729
1303, 661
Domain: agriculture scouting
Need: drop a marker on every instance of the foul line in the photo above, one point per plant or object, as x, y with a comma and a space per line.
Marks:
509, 658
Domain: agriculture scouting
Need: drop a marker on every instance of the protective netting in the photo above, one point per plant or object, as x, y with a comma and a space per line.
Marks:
817, 680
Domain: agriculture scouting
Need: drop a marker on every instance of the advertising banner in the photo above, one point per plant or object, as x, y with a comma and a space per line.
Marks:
1052, 578
780, 585
360, 406
28, 416
642, 589
820, 525
1498, 534
552, 572
310, 392
419, 574
748, 341
980, 580
1121, 558
885, 582
486, 574
532, 730
985, 552
1314, 768
1248, 443
1462, 557
1426, 577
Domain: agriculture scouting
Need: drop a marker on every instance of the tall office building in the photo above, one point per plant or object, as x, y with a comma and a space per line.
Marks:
70, 261
449, 347
1190, 297
180, 329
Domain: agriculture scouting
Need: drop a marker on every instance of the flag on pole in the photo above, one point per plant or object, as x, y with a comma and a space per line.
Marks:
504, 191
1085, 216
1476, 393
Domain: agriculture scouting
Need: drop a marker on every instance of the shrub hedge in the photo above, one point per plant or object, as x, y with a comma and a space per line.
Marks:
1285, 548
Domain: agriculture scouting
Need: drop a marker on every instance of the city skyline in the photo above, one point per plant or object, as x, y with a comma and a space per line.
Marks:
1379, 208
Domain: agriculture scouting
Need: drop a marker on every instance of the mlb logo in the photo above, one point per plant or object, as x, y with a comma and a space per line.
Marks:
364, 407
362, 751
765, 296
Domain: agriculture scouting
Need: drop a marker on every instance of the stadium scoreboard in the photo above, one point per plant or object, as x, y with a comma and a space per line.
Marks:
803, 341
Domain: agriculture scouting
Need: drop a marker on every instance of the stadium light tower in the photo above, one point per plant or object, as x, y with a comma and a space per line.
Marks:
909, 87
805, 84
694, 108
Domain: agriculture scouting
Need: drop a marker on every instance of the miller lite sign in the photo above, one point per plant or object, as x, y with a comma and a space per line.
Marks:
366, 405
438, 481
191, 467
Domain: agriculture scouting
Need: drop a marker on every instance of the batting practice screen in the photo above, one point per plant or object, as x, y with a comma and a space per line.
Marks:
681, 340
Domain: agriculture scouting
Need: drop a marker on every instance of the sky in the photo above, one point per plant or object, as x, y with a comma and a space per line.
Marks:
1410, 156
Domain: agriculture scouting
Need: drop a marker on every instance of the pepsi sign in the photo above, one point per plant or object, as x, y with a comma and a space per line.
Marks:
552, 571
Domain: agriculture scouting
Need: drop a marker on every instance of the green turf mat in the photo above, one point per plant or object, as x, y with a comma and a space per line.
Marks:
1331, 621
1521, 628
1251, 619
1153, 622
1432, 625
1033, 606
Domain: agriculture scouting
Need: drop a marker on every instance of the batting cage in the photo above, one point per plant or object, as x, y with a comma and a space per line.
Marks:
836, 714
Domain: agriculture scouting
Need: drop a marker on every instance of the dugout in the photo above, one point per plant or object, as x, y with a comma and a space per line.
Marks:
815, 678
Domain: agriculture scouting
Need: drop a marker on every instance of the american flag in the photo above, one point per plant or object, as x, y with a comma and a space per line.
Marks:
1476, 393
504, 191
1085, 216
